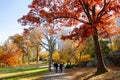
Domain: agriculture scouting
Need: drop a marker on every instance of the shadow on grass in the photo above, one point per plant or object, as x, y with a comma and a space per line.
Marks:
20, 76
18, 69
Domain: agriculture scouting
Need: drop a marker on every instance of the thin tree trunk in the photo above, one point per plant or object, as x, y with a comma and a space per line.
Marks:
28, 59
37, 57
76, 60
80, 56
23, 61
101, 68
28, 55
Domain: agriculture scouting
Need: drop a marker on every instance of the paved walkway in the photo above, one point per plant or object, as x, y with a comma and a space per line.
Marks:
57, 76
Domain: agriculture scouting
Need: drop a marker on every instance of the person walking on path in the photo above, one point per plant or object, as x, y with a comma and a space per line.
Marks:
56, 67
61, 67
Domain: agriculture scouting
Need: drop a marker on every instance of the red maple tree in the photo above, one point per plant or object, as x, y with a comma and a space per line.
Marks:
97, 18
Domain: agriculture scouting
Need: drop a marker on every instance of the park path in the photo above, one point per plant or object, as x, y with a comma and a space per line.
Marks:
57, 76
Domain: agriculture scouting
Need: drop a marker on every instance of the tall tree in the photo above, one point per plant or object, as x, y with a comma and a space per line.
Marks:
49, 43
45, 38
23, 43
18, 39
50, 47
96, 18
34, 36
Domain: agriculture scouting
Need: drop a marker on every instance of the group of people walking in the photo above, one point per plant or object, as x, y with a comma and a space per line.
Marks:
58, 66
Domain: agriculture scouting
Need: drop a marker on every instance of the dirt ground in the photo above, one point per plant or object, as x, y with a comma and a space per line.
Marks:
88, 74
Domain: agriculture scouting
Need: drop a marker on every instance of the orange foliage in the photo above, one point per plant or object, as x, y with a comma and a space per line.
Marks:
93, 14
10, 59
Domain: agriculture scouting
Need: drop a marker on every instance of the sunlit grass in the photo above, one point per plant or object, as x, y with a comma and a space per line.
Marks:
22, 73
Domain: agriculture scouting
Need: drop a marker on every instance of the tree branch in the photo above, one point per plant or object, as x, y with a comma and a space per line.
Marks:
44, 43
44, 46
85, 7
102, 12
72, 18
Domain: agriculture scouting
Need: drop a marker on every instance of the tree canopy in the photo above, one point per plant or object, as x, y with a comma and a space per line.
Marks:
96, 18
101, 14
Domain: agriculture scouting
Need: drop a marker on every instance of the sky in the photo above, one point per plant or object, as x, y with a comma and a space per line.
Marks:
10, 12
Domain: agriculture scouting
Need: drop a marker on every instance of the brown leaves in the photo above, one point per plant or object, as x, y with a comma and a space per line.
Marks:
43, 13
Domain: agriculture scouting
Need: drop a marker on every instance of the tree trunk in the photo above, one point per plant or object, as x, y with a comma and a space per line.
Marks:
28, 59
23, 60
80, 56
37, 57
76, 60
50, 61
101, 68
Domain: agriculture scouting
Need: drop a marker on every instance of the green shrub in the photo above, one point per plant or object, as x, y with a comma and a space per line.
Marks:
68, 66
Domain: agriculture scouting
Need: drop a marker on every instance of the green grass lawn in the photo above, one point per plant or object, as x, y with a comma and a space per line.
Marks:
22, 73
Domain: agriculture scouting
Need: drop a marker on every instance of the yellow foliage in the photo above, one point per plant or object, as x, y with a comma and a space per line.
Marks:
114, 47
85, 58
73, 60
44, 55
56, 57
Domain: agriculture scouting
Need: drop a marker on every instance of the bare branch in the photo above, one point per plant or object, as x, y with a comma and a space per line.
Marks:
44, 46
44, 43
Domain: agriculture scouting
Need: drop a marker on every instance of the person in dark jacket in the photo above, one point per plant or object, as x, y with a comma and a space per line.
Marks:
56, 67
61, 67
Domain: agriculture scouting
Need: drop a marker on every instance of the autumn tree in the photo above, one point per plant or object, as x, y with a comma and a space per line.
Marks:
50, 48
96, 18
69, 47
27, 45
22, 43
49, 42
43, 37
65, 57
34, 35
18, 40
11, 54
70, 54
